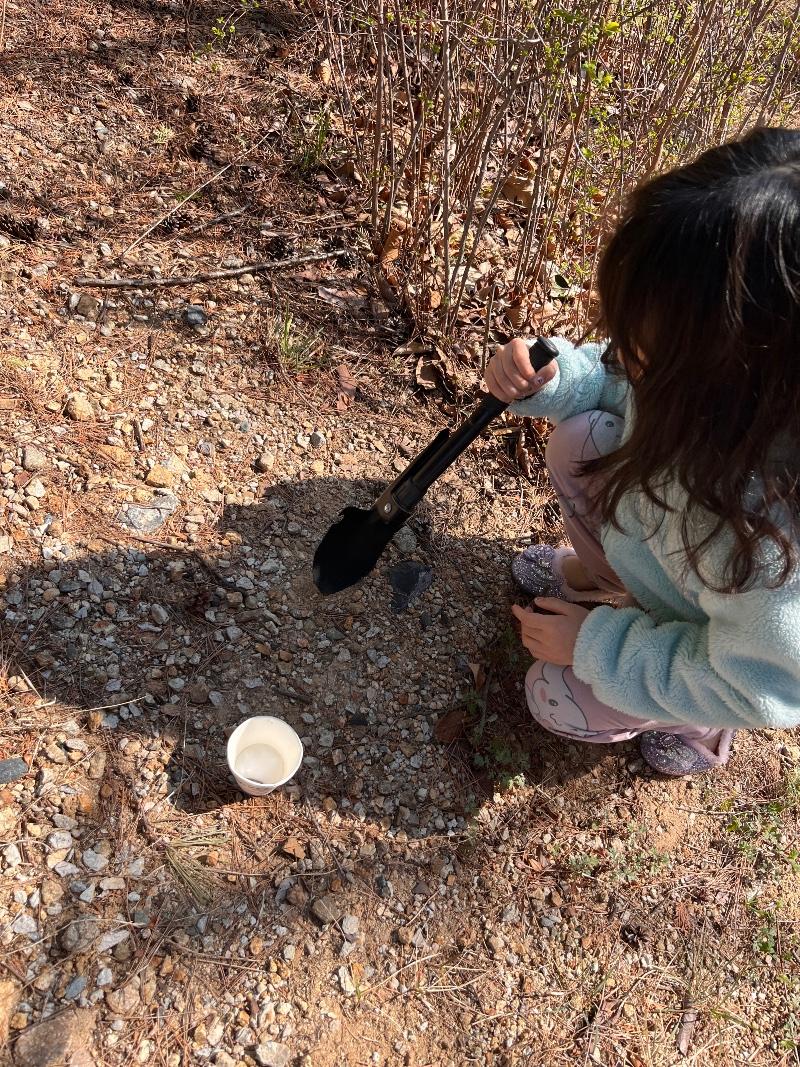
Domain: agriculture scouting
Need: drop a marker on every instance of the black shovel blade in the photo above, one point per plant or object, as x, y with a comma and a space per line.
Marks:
352, 547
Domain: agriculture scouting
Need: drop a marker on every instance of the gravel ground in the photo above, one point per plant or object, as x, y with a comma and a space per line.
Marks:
169, 459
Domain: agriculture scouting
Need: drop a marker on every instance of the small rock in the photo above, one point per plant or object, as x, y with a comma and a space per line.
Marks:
406, 541
405, 935
198, 693
33, 459
159, 614
160, 477
148, 517
265, 462
12, 769
94, 860
195, 316
272, 1054
75, 988
9, 995
349, 927
87, 306
317, 439
409, 580
78, 408
325, 909
60, 839
346, 981
104, 977
55, 1040
25, 925
81, 934
123, 1001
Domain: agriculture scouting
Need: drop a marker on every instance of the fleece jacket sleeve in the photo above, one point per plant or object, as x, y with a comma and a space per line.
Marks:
741, 668
582, 383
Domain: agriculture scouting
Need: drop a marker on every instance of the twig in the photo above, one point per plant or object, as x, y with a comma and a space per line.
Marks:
193, 194
207, 276
208, 223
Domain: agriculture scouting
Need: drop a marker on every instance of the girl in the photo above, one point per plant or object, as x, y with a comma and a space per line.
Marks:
676, 461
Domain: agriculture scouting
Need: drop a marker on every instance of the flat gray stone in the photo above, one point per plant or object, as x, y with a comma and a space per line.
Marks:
12, 769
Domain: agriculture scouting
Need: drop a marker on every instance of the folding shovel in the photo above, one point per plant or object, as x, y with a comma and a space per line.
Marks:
354, 544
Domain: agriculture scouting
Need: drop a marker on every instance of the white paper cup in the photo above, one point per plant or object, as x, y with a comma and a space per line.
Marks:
263, 753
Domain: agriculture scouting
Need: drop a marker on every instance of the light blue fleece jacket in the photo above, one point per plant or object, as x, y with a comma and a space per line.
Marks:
686, 654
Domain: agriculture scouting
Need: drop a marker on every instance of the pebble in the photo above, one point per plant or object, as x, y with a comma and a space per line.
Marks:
325, 909
195, 316
94, 860
272, 1054
25, 925
12, 769
265, 462
61, 1038
33, 459
78, 408
349, 927
75, 988
317, 439
59, 840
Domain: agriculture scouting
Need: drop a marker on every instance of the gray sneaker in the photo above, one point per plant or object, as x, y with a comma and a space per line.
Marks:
539, 571
670, 754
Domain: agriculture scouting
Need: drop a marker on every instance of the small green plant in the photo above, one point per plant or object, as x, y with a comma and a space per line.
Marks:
296, 350
162, 135
313, 146
583, 863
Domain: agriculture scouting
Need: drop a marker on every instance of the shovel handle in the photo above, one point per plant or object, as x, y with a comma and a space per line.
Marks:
407, 491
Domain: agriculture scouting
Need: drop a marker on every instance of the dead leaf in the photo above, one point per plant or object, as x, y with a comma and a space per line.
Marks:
478, 675
450, 726
434, 299
522, 457
515, 313
292, 847
323, 70
412, 348
347, 298
688, 1022
518, 190
425, 374
347, 387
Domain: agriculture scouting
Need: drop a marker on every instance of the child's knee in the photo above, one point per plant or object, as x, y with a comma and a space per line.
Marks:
583, 437
550, 692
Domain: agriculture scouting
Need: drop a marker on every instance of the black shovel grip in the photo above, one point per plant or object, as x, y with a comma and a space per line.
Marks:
413, 483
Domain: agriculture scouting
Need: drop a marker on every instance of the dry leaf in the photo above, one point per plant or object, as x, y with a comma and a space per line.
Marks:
434, 299
478, 675
515, 313
348, 298
292, 847
347, 387
412, 348
425, 374
450, 726
519, 190
323, 70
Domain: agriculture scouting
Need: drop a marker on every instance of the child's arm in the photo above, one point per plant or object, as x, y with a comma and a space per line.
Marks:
582, 383
741, 668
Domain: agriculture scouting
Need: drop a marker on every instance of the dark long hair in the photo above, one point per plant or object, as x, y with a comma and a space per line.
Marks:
700, 296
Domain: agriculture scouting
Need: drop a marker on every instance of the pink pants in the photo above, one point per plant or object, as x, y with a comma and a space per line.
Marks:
557, 699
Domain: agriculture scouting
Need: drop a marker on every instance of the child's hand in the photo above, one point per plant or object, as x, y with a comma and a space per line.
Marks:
510, 374
551, 637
